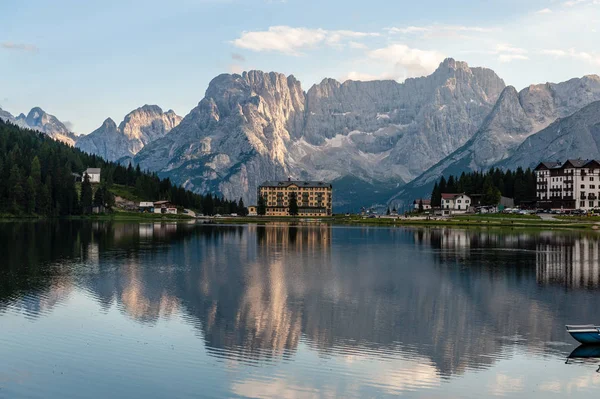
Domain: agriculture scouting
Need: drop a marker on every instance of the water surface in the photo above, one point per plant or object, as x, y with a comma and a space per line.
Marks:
96, 310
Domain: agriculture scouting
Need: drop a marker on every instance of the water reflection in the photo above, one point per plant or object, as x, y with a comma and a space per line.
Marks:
438, 302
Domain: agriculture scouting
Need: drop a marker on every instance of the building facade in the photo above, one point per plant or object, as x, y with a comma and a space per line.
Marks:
455, 204
252, 210
574, 184
94, 174
313, 198
426, 204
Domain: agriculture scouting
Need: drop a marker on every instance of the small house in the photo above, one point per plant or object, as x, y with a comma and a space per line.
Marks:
252, 211
426, 204
146, 207
171, 211
162, 206
94, 174
453, 204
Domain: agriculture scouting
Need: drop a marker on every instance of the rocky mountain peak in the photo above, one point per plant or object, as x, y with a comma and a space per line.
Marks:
138, 128
109, 124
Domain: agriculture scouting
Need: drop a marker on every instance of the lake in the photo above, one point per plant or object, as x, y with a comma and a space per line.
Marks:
177, 310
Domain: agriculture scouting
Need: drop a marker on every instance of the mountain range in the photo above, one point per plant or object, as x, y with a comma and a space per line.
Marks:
378, 142
138, 128
38, 119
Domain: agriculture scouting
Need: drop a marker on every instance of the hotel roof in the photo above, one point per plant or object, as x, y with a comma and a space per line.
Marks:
299, 183
451, 195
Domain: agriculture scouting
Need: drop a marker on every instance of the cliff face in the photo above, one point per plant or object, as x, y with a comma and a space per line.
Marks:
577, 136
139, 127
261, 126
515, 117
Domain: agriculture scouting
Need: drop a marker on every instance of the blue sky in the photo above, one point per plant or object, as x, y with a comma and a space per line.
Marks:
84, 61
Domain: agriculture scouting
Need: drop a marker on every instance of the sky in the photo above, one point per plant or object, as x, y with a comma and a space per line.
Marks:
85, 61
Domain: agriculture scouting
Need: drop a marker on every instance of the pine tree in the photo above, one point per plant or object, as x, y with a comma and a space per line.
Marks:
44, 198
421, 206
436, 195
242, 210
261, 207
293, 206
36, 171
99, 196
16, 194
30, 195
86, 194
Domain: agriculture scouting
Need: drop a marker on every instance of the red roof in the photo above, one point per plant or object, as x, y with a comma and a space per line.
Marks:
451, 195
425, 201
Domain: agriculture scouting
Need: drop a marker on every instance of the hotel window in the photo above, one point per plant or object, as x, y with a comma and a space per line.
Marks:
583, 186
591, 178
581, 203
592, 186
591, 204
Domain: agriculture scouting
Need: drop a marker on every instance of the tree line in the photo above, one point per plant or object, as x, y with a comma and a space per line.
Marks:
519, 185
37, 178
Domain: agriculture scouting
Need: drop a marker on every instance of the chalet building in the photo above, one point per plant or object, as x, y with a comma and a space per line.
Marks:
94, 174
313, 197
146, 207
164, 207
455, 204
252, 211
574, 184
426, 204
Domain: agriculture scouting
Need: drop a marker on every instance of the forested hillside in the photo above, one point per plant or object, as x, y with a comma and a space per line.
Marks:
519, 185
36, 178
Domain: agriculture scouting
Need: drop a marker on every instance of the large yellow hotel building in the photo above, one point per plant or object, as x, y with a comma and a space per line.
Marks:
314, 198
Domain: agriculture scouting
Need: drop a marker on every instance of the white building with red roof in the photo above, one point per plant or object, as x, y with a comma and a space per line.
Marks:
455, 203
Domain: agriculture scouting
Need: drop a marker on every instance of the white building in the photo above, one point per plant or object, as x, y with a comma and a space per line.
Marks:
426, 204
574, 184
94, 174
453, 204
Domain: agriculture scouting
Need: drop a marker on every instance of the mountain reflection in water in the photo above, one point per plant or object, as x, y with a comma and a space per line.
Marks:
442, 302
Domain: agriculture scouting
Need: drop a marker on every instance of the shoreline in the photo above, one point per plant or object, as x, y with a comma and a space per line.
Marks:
479, 221
461, 221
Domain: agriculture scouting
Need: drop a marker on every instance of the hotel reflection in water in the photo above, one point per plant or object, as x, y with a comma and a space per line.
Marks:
569, 260
572, 262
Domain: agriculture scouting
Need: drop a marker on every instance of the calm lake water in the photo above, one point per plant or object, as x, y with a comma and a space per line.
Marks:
99, 310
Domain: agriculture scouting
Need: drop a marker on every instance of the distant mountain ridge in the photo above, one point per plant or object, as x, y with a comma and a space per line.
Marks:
38, 119
139, 127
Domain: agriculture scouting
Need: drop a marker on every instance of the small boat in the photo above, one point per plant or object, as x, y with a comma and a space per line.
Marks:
587, 334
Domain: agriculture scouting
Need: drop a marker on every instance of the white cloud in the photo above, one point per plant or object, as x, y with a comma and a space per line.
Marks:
439, 30
507, 48
19, 46
357, 45
288, 40
365, 77
592, 58
504, 52
544, 11
406, 62
511, 57
572, 3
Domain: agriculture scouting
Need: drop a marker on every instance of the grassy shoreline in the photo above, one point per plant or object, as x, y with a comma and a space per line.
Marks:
116, 216
479, 221
536, 223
